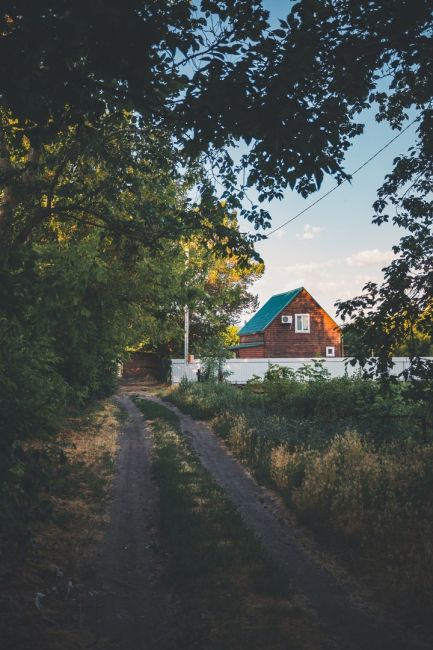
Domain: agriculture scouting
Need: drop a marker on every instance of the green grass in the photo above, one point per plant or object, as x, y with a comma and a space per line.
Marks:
231, 596
350, 459
313, 412
153, 410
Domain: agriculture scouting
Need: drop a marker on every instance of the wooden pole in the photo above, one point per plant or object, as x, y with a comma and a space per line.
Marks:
186, 308
186, 334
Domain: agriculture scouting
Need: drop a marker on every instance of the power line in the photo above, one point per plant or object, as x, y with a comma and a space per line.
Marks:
364, 164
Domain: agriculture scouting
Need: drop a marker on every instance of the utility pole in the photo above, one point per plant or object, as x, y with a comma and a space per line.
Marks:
186, 309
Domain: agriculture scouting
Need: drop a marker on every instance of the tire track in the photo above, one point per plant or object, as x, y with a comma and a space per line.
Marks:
132, 611
353, 627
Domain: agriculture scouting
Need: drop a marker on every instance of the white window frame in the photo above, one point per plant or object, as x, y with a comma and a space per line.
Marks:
330, 347
302, 331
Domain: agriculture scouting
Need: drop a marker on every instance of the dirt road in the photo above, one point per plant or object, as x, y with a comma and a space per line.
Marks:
135, 613
132, 609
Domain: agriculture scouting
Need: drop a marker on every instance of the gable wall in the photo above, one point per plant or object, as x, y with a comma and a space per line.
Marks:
283, 341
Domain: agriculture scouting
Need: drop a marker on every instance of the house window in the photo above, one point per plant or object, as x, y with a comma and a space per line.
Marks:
330, 351
302, 322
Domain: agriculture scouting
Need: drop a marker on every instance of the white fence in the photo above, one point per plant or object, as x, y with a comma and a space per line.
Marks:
241, 370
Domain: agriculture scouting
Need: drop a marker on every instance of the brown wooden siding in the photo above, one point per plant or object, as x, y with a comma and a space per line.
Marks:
252, 353
252, 338
282, 340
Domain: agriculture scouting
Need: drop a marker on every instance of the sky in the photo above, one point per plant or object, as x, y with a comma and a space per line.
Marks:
333, 249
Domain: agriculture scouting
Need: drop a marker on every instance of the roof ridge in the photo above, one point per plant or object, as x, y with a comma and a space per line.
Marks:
283, 293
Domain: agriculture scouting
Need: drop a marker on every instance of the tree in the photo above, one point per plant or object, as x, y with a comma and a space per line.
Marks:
101, 231
93, 261
164, 61
213, 77
217, 292
416, 344
231, 336
214, 286
338, 59
209, 76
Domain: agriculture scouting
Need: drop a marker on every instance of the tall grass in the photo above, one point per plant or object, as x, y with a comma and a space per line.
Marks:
354, 461
381, 499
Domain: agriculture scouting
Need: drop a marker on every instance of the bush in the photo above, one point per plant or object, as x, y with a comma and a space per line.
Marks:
380, 498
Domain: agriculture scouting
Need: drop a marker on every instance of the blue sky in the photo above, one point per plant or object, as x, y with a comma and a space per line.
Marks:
333, 249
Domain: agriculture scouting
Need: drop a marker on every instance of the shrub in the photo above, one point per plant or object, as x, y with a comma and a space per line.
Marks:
382, 499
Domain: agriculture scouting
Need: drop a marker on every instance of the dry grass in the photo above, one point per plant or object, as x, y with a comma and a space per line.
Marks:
380, 501
367, 497
59, 564
372, 505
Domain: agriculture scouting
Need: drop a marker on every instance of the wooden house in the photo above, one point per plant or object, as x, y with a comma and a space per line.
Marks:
290, 324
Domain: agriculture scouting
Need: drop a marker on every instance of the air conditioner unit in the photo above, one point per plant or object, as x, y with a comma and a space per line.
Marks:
286, 320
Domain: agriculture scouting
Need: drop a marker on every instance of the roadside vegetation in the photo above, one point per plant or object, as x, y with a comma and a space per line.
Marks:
45, 593
352, 458
121, 202
229, 595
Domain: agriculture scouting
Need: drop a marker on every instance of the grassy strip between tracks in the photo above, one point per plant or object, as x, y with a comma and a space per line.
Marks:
229, 595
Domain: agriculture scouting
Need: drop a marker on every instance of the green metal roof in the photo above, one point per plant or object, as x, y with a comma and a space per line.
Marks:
240, 346
266, 314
